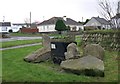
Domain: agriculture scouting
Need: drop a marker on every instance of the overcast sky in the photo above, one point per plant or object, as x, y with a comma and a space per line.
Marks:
17, 10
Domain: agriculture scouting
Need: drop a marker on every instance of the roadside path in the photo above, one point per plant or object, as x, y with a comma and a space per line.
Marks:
20, 46
14, 38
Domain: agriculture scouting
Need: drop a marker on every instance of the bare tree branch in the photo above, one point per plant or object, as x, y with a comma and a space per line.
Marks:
107, 11
27, 21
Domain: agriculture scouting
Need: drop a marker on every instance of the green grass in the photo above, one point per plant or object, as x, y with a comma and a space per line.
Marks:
30, 34
19, 42
0, 66
17, 70
25, 34
78, 40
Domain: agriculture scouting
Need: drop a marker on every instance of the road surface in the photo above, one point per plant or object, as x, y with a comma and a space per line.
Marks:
18, 38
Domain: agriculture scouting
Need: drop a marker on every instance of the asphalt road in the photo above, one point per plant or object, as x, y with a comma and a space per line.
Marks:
18, 38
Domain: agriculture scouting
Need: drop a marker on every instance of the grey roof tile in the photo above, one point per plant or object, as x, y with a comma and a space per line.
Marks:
53, 20
102, 20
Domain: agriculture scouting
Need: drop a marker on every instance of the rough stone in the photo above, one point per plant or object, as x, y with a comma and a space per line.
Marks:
38, 56
4, 35
72, 51
42, 54
94, 50
46, 41
88, 65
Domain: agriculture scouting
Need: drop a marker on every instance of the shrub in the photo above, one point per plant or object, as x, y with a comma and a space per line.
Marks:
60, 26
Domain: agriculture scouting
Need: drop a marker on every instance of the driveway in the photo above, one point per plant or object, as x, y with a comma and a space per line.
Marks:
18, 38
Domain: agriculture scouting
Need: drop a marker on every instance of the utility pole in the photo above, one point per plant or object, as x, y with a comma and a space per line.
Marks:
3, 19
30, 19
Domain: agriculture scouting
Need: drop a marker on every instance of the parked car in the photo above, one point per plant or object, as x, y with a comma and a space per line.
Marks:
15, 28
7, 27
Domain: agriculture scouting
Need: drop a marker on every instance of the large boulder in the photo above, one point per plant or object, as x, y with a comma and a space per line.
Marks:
41, 54
94, 50
88, 65
46, 42
72, 51
38, 56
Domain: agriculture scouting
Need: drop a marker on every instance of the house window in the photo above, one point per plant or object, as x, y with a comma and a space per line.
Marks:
79, 29
74, 28
43, 27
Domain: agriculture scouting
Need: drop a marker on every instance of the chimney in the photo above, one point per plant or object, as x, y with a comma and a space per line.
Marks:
65, 18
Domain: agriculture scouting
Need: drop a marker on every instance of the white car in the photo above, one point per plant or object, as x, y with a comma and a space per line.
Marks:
15, 28
5, 27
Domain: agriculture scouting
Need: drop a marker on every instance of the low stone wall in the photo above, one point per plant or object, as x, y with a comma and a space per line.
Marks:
74, 32
4, 35
107, 39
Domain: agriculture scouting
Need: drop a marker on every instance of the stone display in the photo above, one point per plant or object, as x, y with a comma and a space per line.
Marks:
88, 65
94, 50
72, 51
42, 54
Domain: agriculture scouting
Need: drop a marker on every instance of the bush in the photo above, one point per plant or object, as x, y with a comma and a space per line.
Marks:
60, 26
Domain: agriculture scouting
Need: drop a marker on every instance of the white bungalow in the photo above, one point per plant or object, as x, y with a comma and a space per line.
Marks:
49, 25
98, 23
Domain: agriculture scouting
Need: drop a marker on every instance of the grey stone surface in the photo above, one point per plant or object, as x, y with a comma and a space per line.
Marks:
94, 50
38, 56
42, 54
5, 36
46, 41
88, 65
72, 51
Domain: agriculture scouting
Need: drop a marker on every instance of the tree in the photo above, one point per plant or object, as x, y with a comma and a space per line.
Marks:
86, 21
80, 22
60, 26
108, 10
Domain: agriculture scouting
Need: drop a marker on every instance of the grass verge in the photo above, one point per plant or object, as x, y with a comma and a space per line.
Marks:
19, 42
17, 70
30, 34
25, 34
0, 64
